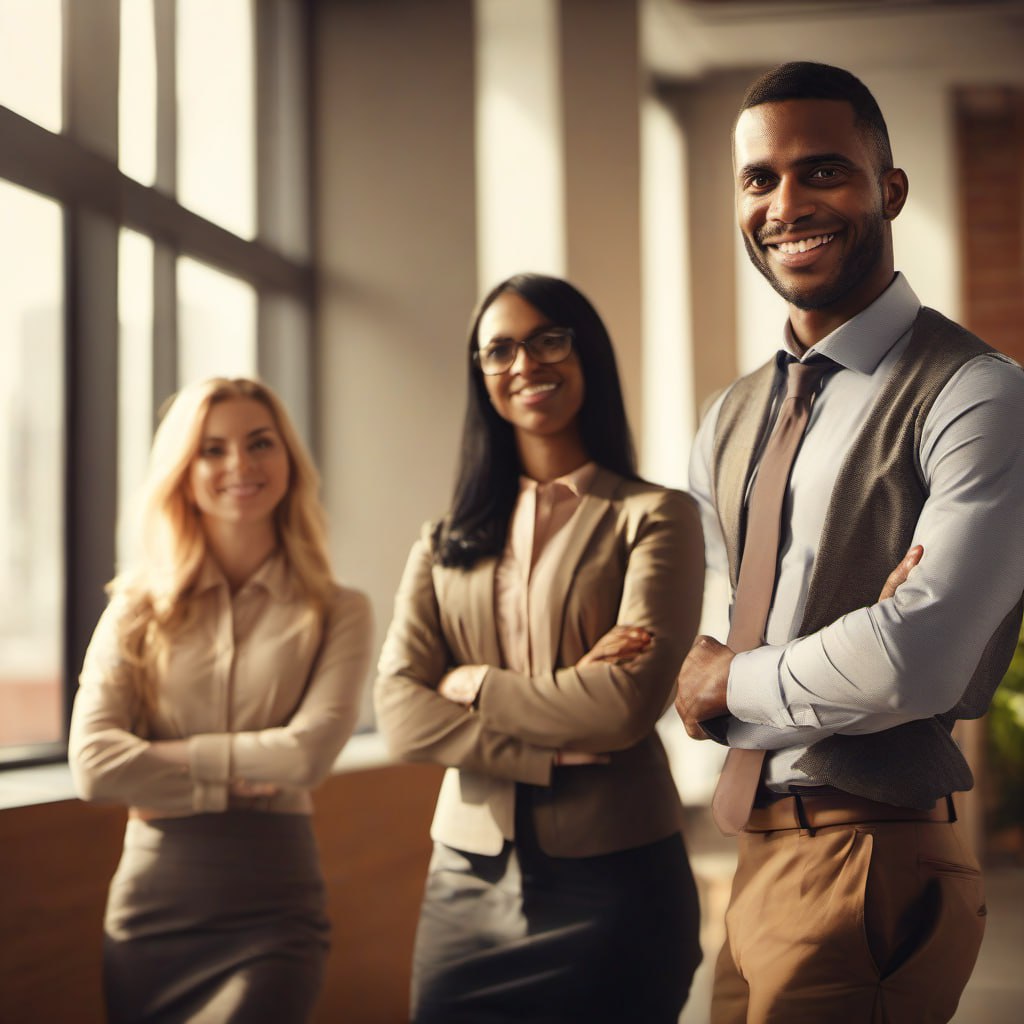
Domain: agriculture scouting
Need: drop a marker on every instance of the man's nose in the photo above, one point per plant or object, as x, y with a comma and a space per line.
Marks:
791, 201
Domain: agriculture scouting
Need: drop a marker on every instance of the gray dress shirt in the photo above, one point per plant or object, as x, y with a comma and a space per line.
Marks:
910, 657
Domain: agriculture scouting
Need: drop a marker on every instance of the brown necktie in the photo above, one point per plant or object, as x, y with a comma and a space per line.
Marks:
734, 794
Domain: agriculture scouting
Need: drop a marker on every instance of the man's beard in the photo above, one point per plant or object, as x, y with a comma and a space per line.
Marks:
857, 266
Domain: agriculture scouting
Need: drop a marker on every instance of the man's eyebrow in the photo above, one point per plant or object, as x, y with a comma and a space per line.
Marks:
811, 160
826, 158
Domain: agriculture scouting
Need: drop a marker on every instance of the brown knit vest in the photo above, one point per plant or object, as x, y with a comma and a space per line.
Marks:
869, 524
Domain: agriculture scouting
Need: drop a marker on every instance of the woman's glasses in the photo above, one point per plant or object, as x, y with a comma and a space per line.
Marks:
551, 345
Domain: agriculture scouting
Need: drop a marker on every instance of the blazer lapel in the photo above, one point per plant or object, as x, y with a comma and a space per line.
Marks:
583, 524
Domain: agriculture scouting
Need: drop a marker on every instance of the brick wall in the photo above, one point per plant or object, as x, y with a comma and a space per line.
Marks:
990, 154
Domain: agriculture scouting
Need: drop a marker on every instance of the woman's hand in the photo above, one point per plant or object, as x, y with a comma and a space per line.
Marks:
461, 685
619, 644
899, 575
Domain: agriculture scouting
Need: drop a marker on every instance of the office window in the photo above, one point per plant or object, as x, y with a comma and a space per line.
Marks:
216, 97
134, 378
31, 468
30, 60
216, 324
137, 92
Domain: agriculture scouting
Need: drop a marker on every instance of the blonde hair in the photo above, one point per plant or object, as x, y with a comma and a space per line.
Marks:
171, 545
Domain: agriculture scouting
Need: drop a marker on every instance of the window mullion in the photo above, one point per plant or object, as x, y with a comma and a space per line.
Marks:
92, 38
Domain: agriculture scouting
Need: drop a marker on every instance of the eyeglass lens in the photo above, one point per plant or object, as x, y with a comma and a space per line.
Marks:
549, 347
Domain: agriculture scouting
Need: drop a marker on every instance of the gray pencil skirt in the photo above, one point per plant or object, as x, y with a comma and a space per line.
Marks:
526, 938
216, 918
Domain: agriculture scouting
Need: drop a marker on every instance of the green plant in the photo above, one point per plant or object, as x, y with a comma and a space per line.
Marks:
1006, 745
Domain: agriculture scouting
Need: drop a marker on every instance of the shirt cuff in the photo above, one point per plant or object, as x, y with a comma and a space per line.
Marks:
210, 758
753, 693
210, 796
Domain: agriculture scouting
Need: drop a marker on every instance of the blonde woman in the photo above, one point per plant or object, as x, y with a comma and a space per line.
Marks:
220, 685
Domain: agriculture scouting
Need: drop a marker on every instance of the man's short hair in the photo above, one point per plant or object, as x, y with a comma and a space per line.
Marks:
805, 80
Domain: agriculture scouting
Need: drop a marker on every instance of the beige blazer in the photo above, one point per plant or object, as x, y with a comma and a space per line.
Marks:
636, 557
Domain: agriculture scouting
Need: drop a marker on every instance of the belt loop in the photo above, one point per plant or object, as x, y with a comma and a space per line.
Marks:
951, 808
801, 814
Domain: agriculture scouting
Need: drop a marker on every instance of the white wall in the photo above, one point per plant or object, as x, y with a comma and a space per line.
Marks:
520, 169
395, 244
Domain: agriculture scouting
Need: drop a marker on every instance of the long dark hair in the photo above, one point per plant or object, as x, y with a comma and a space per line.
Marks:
487, 480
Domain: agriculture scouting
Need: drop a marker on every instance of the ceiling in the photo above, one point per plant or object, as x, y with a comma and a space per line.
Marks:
688, 39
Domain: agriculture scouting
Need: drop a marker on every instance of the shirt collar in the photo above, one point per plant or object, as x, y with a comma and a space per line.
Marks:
273, 576
863, 341
578, 481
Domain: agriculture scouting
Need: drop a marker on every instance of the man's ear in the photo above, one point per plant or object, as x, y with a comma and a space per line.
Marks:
895, 187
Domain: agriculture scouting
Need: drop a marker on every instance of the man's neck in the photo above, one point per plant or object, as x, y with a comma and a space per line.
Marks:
809, 326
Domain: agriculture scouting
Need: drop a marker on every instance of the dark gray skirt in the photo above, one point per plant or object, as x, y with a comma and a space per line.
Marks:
524, 937
216, 918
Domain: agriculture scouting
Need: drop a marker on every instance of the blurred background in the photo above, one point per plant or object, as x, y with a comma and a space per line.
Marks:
317, 192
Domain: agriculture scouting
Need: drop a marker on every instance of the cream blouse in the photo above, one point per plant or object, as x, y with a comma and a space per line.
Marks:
261, 689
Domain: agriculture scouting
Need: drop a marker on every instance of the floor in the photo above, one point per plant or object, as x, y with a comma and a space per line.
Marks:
995, 993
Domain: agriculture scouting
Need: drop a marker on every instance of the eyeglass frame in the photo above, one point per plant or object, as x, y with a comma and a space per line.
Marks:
527, 343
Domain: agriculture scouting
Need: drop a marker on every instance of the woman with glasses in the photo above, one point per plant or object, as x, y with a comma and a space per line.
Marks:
220, 685
537, 634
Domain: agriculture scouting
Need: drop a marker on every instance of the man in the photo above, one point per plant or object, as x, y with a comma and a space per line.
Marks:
856, 897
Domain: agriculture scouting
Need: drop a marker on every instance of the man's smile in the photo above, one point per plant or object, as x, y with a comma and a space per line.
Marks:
792, 247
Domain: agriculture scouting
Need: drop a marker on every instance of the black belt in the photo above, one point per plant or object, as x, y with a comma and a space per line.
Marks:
820, 809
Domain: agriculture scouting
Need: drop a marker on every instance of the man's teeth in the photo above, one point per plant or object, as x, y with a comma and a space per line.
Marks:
804, 245
536, 389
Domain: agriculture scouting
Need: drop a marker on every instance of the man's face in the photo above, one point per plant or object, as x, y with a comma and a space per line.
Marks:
813, 206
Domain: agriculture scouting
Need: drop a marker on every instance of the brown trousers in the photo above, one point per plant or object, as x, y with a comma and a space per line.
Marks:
875, 923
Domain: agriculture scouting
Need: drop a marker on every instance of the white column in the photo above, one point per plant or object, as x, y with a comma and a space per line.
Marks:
520, 191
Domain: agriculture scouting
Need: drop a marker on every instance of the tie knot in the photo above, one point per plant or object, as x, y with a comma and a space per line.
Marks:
802, 378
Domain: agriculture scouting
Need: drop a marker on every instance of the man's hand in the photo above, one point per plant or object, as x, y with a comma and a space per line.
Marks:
702, 684
899, 575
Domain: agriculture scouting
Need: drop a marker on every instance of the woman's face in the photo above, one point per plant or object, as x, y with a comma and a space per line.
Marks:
241, 471
541, 399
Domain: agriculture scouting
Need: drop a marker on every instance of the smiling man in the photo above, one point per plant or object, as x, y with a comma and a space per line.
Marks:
879, 428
